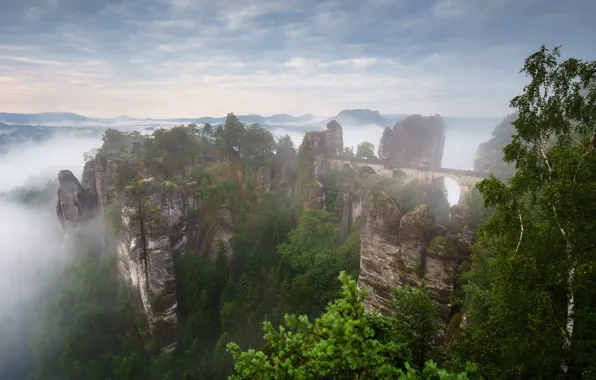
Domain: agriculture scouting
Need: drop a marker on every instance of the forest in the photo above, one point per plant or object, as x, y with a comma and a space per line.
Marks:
286, 305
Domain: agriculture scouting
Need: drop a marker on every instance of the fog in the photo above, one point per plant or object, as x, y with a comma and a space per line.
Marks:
462, 137
29, 235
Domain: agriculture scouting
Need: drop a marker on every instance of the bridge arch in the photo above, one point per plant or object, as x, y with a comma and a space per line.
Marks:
399, 176
346, 167
365, 170
451, 187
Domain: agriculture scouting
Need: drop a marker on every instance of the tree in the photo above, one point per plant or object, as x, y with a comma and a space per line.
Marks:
256, 142
233, 132
365, 149
417, 318
348, 151
538, 246
343, 343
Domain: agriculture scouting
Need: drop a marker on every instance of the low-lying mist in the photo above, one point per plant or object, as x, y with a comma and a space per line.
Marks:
30, 234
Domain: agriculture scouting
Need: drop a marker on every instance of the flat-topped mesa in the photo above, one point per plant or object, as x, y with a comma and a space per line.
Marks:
416, 140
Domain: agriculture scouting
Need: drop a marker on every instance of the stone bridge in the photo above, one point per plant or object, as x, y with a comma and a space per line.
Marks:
465, 179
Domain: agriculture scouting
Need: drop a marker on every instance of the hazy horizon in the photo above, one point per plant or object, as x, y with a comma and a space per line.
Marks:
157, 58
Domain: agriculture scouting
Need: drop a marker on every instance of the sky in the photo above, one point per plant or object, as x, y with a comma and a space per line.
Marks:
189, 58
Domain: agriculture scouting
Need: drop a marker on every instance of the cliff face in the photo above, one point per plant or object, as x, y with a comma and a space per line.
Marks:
344, 212
489, 156
315, 148
75, 204
397, 250
379, 248
416, 140
153, 233
333, 139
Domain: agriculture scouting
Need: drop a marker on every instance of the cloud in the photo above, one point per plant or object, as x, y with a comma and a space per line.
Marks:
159, 58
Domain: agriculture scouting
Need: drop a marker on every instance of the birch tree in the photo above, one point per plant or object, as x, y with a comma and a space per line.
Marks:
546, 218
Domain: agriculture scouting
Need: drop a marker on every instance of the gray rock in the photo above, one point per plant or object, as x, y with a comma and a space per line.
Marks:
416, 140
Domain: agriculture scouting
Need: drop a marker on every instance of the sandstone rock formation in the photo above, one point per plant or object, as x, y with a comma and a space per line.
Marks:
489, 155
312, 152
153, 232
416, 140
76, 203
222, 236
399, 250
316, 197
319, 145
379, 248
344, 213
333, 139
360, 117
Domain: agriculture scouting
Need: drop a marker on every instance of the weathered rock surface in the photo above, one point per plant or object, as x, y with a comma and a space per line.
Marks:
399, 250
343, 213
489, 155
333, 139
76, 203
416, 140
416, 230
316, 197
319, 145
379, 249
153, 232
222, 232
313, 150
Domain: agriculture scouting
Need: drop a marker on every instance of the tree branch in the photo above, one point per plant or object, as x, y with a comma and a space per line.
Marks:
521, 232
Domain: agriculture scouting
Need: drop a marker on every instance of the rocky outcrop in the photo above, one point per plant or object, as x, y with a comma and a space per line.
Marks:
76, 204
319, 145
379, 249
489, 155
222, 232
416, 140
316, 197
333, 139
153, 232
343, 212
315, 148
399, 250
416, 230
311, 154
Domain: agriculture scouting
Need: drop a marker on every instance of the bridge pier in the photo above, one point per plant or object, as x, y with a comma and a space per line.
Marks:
464, 192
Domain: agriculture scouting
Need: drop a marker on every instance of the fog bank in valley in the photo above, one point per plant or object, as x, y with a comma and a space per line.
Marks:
30, 234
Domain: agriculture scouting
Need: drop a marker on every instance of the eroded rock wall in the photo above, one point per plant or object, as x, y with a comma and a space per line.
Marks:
153, 233
417, 140
379, 248
399, 249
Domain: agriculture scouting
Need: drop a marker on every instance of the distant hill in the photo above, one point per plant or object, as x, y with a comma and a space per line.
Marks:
54, 118
41, 118
359, 117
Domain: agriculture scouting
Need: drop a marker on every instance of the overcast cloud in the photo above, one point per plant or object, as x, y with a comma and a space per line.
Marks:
166, 58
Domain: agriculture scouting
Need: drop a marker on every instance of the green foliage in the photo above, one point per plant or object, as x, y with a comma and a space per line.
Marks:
531, 288
365, 149
306, 174
417, 319
88, 329
256, 142
343, 343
